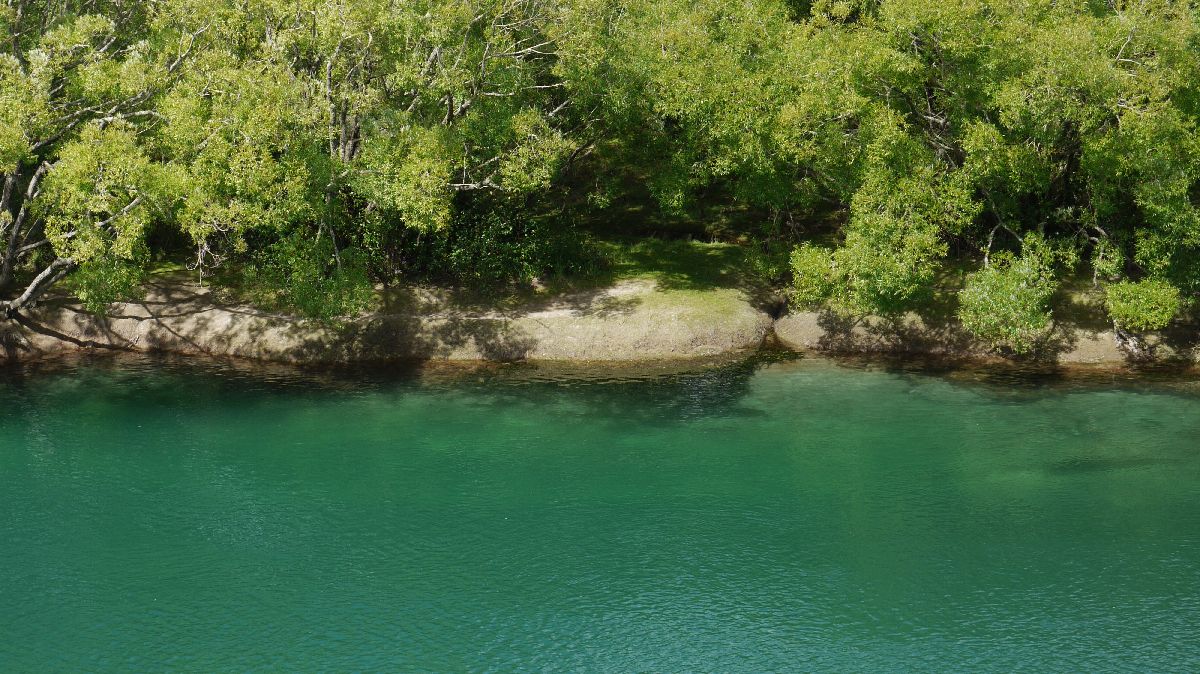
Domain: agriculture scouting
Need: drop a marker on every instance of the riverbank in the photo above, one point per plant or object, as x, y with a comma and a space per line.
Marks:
629, 321
633, 320
1068, 343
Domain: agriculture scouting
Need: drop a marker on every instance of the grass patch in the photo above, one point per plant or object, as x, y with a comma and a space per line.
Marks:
678, 267
677, 264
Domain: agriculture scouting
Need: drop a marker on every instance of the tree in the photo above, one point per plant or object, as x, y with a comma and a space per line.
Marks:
76, 91
293, 136
351, 122
1071, 122
321, 146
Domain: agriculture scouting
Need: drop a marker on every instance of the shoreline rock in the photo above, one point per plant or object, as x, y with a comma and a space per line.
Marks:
628, 322
632, 321
1067, 344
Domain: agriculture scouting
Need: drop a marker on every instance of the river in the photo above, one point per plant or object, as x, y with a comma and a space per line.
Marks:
755, 516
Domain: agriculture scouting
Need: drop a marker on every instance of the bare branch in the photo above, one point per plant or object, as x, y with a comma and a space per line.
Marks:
128, 207
484, 184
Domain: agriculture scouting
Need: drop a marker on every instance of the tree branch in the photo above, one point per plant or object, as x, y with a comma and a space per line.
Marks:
38, 287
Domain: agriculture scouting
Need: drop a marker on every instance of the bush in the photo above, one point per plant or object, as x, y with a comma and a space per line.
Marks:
298, 273
1142, 305
1006, 303
813, 280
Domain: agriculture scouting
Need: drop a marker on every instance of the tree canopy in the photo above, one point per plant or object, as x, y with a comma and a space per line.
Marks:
323, 146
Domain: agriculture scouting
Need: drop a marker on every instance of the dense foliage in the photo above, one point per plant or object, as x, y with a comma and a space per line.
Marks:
327, 145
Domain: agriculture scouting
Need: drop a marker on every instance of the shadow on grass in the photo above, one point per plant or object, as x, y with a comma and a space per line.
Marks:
687, 265
669, 264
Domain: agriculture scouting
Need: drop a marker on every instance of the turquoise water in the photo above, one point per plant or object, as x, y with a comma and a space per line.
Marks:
752, 517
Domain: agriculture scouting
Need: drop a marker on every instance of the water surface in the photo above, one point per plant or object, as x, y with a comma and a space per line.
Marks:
785, 517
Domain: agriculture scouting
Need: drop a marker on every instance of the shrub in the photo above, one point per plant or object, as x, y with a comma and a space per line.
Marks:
1006, 304
813, 280
1142, 305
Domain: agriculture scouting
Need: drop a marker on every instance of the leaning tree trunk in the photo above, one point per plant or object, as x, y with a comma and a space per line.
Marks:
16, 209
16, 212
